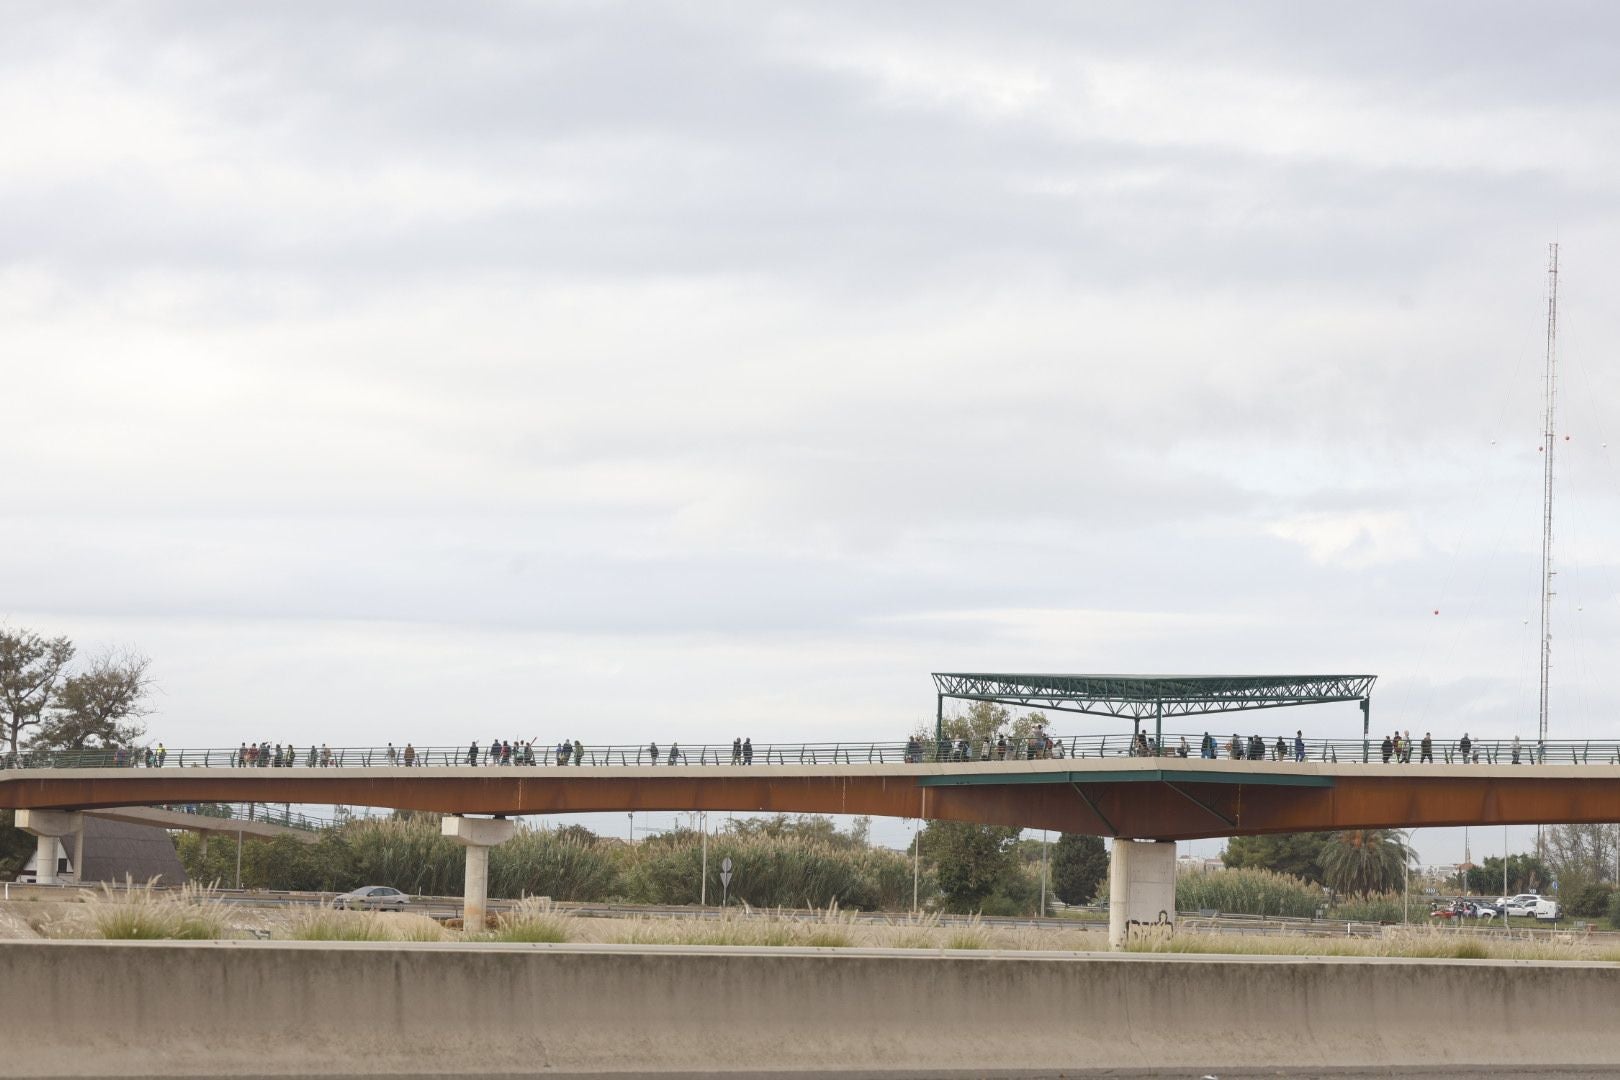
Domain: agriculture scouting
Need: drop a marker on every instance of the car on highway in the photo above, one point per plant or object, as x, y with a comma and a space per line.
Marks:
372, 898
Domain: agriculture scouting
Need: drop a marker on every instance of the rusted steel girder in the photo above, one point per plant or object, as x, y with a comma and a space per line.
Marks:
1169, 802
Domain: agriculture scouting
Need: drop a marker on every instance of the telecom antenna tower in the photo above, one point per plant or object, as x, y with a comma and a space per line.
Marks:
1548, 441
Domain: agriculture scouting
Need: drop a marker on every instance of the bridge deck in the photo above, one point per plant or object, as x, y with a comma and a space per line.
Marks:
1165, 798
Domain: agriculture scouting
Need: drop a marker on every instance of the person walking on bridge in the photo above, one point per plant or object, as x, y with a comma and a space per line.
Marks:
1465, 744
673, 750
472, 752
1299, 745
652, 752
1426, 750
748, 752
736, 751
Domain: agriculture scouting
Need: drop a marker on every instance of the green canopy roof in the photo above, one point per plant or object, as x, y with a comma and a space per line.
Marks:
1138, 696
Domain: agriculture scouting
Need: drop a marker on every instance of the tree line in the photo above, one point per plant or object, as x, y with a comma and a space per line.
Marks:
782, 861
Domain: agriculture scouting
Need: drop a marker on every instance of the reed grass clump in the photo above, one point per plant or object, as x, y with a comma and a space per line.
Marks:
408, 853
143, 912
1248, 892
329, 924
1418, 942
972, 934
919, 930
829, 929
564, 864
1378, 908
534, 920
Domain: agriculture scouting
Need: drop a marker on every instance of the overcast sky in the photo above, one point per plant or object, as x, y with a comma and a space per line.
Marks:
622, 371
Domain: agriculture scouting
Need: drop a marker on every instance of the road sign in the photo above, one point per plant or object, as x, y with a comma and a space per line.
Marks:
725, 879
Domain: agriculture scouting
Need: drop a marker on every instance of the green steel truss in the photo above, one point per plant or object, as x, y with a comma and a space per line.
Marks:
1137, 697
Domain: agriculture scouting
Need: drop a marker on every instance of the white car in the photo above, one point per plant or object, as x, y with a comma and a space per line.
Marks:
372, 898
1524, 905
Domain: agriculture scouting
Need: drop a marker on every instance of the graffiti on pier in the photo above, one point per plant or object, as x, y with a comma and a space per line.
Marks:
1158, 930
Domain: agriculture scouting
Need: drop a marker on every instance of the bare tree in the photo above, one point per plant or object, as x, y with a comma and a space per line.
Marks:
100, 706
1580, 854
31, 672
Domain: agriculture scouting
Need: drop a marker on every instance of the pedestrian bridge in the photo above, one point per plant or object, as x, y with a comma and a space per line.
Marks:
1162, 798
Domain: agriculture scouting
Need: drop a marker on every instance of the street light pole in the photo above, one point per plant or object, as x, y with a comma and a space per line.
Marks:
703, 889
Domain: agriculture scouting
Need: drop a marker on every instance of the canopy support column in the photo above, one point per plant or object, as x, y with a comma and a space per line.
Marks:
1366, 729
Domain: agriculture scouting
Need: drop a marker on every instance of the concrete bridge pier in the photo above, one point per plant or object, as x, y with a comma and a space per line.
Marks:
478, 835
1141, 890
51, 826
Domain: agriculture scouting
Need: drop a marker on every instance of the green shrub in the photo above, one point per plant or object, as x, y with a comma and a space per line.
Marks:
768, 872
1591, 901
1614, 911
1247, 892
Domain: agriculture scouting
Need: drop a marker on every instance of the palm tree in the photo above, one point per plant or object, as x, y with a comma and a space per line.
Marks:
1364, 861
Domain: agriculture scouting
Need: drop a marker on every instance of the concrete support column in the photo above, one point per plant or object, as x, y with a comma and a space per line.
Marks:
477, 835
50, 826
45, 860
1141, 889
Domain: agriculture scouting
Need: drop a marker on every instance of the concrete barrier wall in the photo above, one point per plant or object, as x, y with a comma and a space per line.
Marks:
361, 1009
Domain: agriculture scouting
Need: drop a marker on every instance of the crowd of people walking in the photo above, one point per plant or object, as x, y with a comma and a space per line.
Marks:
1397, 747
1035, 746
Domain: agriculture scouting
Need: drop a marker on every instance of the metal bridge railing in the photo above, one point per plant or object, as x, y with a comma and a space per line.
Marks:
262, 813
927, 751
